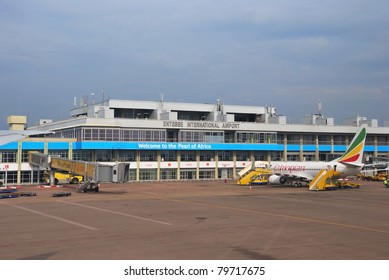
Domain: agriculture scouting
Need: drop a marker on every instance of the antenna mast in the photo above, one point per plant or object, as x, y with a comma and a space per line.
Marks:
320, 107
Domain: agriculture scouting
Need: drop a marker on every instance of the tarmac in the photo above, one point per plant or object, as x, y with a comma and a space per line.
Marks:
197, 220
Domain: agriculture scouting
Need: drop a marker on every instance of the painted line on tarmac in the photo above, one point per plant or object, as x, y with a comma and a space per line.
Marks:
52, 217
277, 215
117, 213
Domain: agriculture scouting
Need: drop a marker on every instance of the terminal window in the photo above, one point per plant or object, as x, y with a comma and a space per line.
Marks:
242, 156
188, 156
148, 156
8, 156
262, 137
206, 156
169, 155
201, 136
125, 155
224, 155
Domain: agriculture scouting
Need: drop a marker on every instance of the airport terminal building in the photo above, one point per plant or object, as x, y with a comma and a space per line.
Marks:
184, 141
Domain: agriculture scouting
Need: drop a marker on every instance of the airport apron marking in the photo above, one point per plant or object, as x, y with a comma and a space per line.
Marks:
118, 213
278, 215
52, 217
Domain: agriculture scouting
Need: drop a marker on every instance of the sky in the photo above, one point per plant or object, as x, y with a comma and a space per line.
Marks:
281, 53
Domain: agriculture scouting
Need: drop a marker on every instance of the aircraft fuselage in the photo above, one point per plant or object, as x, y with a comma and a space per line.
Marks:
307, 169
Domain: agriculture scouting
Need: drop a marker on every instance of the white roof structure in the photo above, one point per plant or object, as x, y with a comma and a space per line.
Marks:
8, 136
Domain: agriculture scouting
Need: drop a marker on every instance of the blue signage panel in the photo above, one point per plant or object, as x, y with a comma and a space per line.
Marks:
174, 146
293, 147
339, 148
369, 149
309, 148
58, 145
9, 146
93, 145
324, 148
382, 149
33, 146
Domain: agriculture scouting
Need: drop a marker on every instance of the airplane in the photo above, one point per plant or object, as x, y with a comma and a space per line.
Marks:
304, 171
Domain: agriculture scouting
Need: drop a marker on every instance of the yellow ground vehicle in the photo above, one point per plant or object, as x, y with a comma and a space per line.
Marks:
63, 177
381, 176
370, 176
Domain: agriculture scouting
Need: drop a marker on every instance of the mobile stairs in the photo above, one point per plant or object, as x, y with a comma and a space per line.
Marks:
324, 180
254, 176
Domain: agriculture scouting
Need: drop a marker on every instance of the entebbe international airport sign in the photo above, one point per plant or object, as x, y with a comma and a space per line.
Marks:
201, 124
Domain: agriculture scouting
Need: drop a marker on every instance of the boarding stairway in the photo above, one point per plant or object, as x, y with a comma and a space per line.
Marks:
254, 176
323, 180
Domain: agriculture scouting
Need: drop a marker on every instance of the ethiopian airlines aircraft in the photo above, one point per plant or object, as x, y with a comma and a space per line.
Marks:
304, 171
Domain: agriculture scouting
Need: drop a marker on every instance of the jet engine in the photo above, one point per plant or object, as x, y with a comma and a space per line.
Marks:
277, 180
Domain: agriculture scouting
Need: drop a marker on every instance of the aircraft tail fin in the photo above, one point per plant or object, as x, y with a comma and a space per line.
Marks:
354, 152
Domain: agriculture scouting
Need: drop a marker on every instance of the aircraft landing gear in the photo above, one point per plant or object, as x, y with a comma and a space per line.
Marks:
298, 184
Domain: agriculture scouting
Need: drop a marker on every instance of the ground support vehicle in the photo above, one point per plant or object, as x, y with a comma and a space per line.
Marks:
92, 173
27, 194
60, 194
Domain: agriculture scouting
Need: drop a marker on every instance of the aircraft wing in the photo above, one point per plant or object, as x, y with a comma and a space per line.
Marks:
377, 165
375, 169
7, 136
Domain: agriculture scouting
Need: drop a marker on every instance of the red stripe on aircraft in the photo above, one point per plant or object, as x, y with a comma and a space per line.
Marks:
351, 159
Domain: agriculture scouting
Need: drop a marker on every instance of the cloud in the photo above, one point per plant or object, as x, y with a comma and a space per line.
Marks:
267, 52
